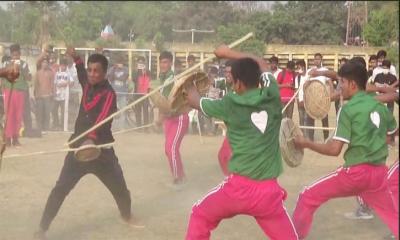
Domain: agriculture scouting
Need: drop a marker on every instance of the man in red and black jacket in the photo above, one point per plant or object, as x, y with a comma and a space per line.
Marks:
98, 102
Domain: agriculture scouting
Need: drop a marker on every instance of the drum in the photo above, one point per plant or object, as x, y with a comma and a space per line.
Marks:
88, 151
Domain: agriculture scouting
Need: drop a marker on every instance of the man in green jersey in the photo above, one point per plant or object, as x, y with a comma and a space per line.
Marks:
363, 123
253, 116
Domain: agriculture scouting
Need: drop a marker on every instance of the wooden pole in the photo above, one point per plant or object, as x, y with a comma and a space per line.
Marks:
189, 70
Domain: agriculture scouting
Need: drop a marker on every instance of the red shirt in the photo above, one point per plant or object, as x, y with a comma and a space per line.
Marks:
143, 83
286, 77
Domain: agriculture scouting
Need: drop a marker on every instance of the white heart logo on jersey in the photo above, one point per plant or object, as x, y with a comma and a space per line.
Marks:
260, 120
375, 118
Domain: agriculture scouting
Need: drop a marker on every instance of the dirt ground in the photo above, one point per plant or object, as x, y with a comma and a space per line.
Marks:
90, 213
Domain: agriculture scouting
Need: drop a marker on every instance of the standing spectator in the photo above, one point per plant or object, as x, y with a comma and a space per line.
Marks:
299, 83
372, 64
381, 57
118, 77
62, 81
53, 61
141, 79
387, 79
43, 91
325, 80
178, 67
286, 79
14, 103
4, 60
275, 70
74, 91
191, 59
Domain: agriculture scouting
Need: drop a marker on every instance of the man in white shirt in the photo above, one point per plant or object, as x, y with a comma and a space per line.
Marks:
275, 70
379, 69
311, 74
298, 84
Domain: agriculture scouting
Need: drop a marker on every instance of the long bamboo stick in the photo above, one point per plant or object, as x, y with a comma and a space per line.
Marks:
234, 44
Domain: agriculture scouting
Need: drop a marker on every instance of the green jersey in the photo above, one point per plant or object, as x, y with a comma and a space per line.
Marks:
253, 121
363, 123
168, 76
21, 83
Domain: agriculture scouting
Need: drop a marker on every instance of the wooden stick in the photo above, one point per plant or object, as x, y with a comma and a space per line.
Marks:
55, 151
134, 129
198, 127
291, 100
234, 44
318, 128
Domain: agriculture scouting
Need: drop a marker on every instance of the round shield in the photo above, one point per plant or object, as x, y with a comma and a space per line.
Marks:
290, 154
177, 96
317, 100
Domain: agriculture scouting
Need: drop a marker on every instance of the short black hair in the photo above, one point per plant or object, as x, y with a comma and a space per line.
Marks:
274, 59
386, 63
229, 63
343, 59
141, 58
354, 71
166, 55
359, 60
318, 54
191, 57
301, 62
99, 58
381, 53
290, 65
247, 71
15, 47
372, 57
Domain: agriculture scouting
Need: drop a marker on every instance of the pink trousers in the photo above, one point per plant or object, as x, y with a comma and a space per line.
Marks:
224, 155
15, 113
364, 180
174, 129
393, 181
241, 195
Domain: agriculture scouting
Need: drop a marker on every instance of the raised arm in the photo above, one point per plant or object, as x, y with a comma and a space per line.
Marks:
10, 73
224, 51
79, 64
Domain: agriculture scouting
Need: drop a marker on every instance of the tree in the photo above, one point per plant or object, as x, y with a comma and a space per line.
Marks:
229, 34
382, 27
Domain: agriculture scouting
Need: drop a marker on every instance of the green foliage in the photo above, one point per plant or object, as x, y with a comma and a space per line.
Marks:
159, 41
302, 23
382, 27
140, 42
295, 22
229, 34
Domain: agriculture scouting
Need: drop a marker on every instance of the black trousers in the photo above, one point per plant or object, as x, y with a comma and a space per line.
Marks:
106, 168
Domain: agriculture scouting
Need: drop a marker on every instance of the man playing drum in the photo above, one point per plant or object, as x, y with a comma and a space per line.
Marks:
98, 102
